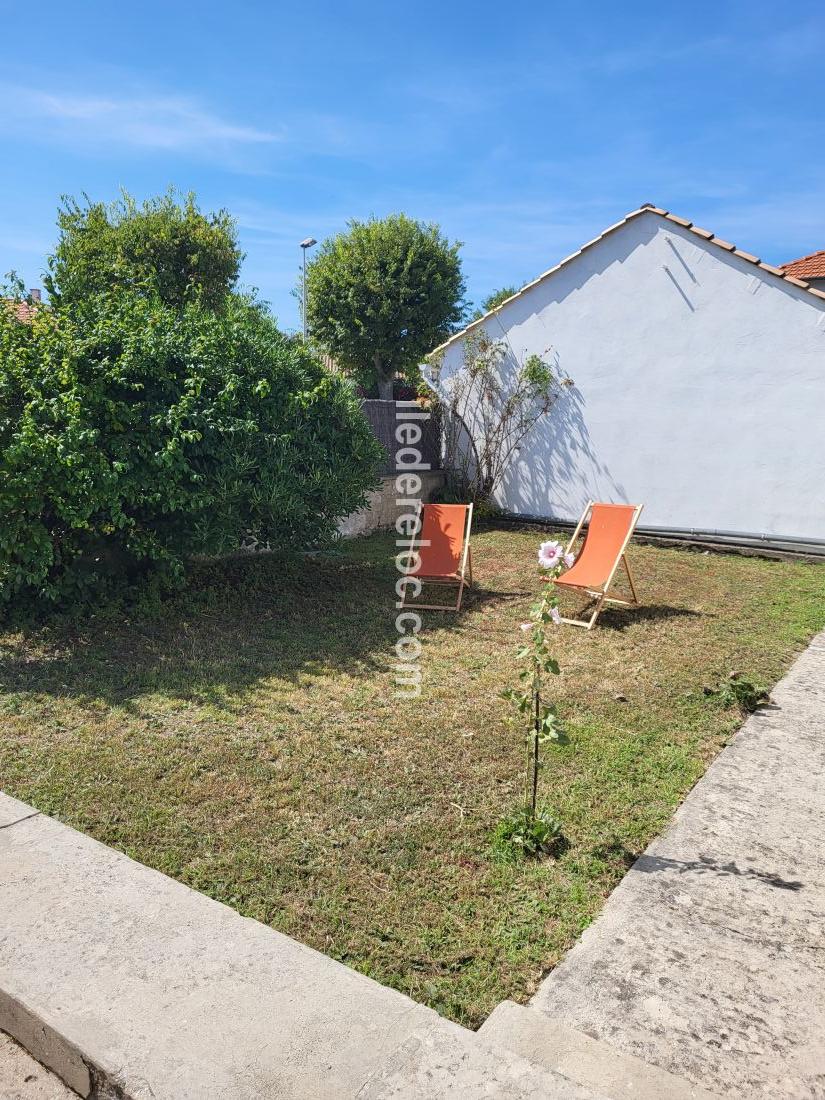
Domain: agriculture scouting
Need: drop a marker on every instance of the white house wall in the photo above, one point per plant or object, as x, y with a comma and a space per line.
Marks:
699, 387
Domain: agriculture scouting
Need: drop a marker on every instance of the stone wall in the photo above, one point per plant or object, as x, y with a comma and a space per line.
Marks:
382, 510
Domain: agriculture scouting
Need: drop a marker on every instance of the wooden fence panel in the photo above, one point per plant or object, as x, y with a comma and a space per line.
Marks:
382, 418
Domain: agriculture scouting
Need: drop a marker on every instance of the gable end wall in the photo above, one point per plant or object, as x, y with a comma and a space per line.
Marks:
699, 387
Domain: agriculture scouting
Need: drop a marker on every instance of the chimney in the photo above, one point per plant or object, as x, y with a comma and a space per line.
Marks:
35, 294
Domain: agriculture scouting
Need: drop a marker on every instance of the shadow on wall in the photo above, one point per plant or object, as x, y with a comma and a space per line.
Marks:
614, 249
559, 465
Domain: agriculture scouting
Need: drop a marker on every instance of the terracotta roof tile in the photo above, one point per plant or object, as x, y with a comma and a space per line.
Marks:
807, 267
705, 234
24, 309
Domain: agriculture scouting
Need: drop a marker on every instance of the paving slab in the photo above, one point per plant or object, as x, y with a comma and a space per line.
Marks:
551, 1043
435, 1065
709, 958
21, 1078
124, 975
130, 985
12, 811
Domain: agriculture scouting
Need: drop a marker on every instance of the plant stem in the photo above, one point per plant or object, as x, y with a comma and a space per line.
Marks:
527, 777
536, 728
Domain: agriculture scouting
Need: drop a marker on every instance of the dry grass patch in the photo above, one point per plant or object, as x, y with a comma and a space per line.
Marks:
247, 740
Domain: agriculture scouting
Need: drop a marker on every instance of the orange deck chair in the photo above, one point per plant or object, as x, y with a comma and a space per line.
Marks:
608, 533
443, 545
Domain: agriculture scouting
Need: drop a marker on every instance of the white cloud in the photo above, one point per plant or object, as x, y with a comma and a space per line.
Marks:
164, 123
177, 124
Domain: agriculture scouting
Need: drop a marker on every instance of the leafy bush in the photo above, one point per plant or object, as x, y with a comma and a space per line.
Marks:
162, 246
135, 433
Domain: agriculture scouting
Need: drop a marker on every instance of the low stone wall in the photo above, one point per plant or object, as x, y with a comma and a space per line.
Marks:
382, 511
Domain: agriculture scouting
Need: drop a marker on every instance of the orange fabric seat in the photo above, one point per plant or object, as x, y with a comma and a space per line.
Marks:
441, 540
603, 544
443, 553
608, 533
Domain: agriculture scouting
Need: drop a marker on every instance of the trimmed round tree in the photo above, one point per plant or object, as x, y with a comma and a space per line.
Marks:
383, 295
493, 300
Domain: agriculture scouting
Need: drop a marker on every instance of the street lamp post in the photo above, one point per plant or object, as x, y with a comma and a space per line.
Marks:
305, 244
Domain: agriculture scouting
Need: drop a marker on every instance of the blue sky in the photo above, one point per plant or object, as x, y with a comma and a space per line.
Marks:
523, 130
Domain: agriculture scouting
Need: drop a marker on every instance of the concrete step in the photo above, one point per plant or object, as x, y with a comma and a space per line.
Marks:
442, 1065
21, 1078
128, 984
550, 1043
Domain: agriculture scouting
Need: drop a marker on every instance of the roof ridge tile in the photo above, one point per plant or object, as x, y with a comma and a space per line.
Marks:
649, 208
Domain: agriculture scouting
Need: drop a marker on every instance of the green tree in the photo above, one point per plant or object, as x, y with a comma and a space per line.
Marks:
382, 295
162, 246
495, 299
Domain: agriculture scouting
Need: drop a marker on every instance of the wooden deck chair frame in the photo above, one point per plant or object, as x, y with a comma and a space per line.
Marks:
464, 573
600, 595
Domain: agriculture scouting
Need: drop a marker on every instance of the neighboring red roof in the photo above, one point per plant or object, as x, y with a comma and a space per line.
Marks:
807, 267
24, 310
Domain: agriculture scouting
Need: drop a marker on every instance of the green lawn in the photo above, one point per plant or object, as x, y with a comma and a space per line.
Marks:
247, 741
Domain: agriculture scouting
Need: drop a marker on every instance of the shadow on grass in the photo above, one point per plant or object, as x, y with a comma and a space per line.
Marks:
620, 618
238, 622
474, 597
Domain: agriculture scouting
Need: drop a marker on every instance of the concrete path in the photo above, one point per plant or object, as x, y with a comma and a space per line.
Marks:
131, 985
21, 1078
709, 958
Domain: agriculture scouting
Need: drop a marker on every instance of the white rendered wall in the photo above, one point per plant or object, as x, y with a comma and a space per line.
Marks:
699, 387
